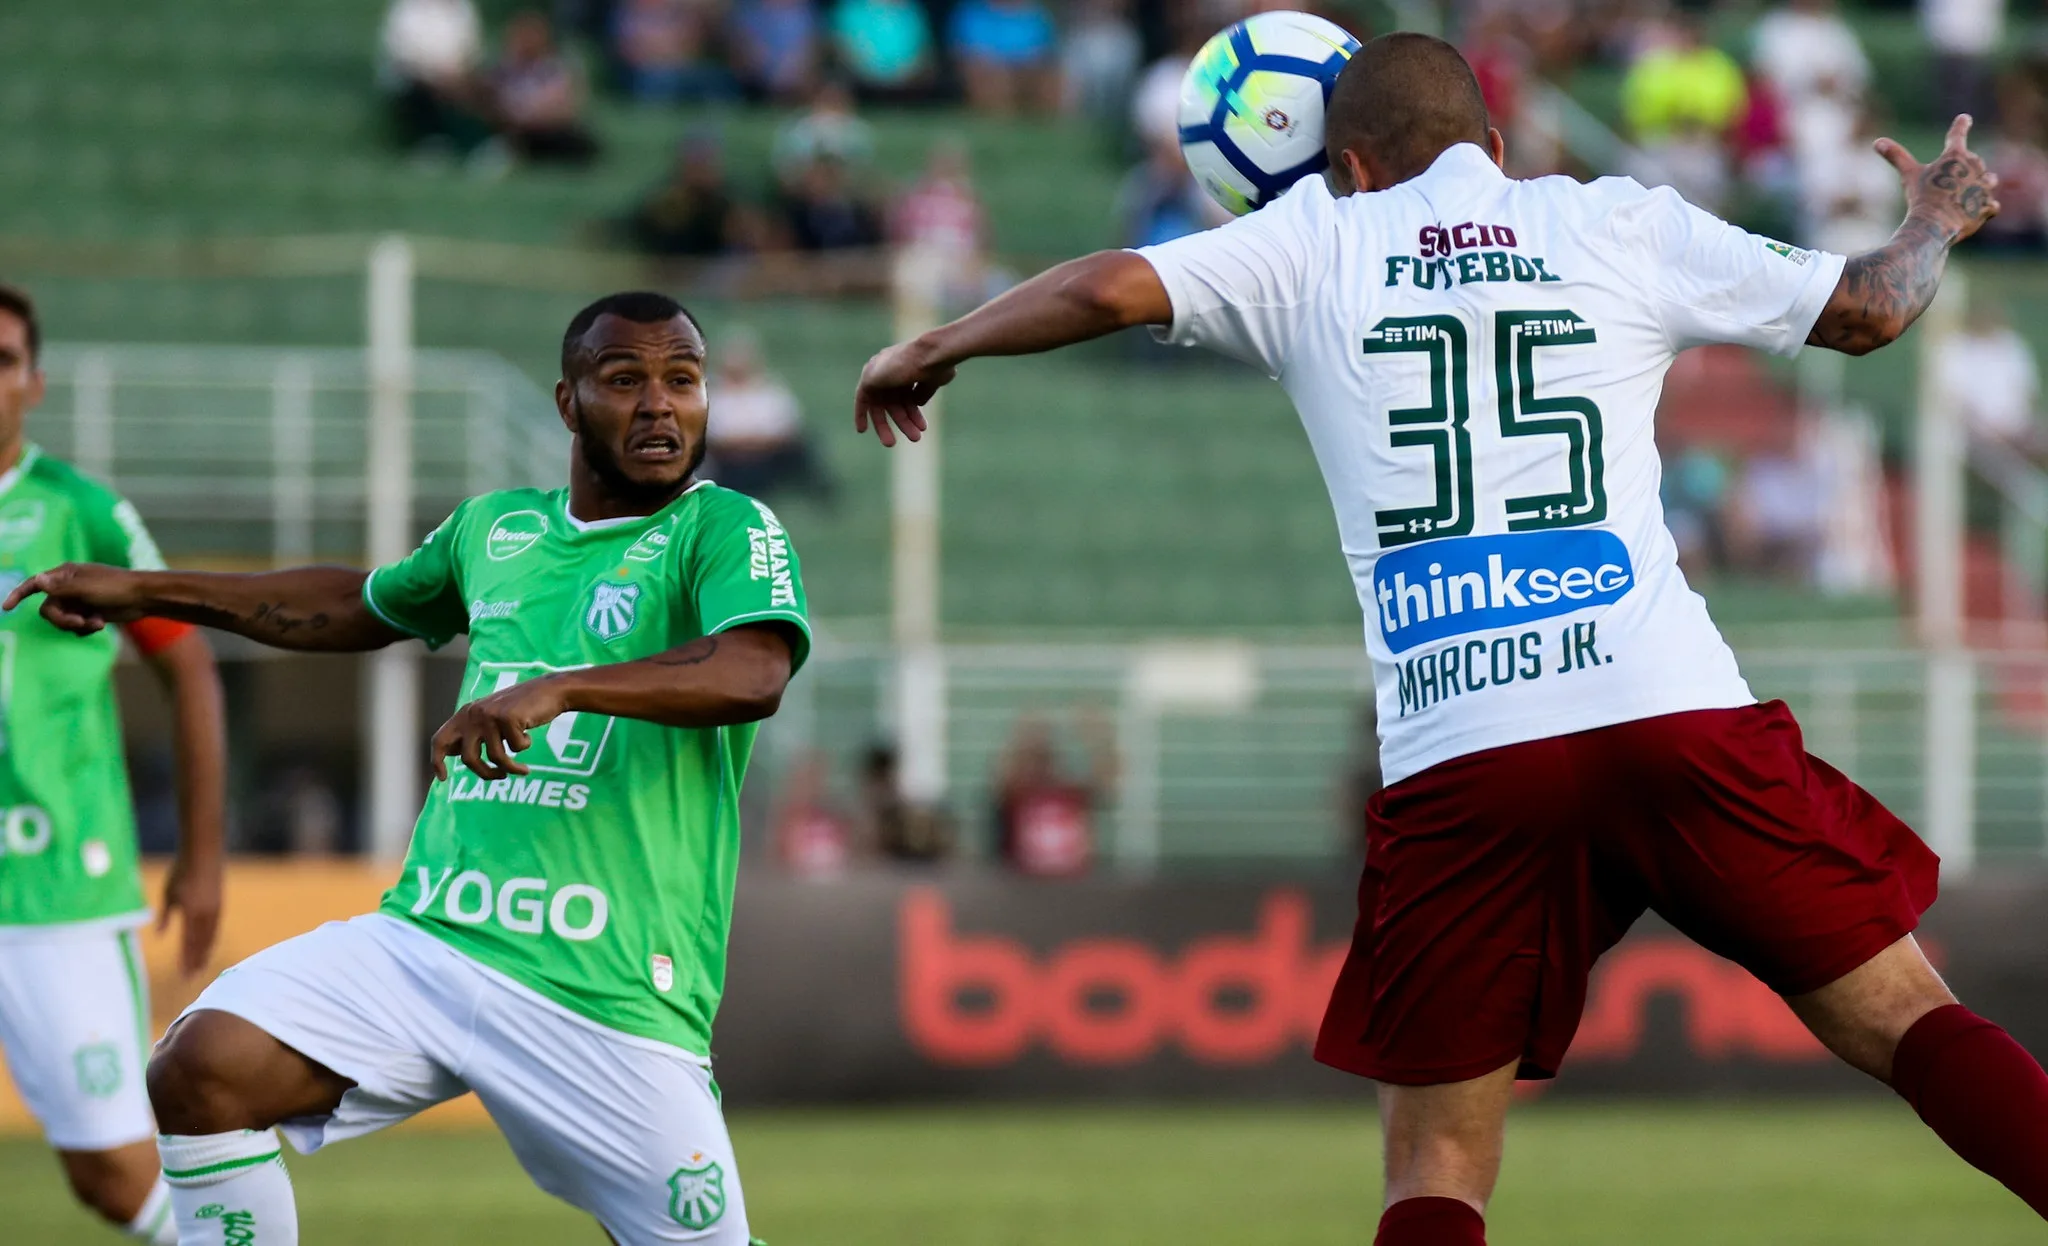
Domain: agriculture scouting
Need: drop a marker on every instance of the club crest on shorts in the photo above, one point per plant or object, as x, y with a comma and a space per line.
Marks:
697, 1194
613, 610
98, 1066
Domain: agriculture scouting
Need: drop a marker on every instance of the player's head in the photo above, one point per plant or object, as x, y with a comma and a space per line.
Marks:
632, 391
21, 374
1402, 100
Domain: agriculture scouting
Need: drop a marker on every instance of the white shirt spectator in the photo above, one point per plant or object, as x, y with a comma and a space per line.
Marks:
1991, 374
758, 411
1800, 51
433, 40
1155, 105
1851, 196
1963, 27
1099, 58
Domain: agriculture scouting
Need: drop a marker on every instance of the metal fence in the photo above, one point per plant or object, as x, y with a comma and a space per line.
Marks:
1248, 761
261, 454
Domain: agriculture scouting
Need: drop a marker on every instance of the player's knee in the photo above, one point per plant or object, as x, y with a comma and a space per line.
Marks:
112, 1183
197, 1083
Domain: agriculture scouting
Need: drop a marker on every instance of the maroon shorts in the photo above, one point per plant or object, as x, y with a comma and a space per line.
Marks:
1494, 881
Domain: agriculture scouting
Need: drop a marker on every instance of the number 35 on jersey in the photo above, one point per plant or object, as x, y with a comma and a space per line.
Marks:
1441, 427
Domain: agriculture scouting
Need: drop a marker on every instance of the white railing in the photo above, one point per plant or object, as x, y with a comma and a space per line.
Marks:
1249, 762
261, 454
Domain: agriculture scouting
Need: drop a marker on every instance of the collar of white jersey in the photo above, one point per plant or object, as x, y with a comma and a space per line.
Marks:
30, 452
1458, 162
621, 521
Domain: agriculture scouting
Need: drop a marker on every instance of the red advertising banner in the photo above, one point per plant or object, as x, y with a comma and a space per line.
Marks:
963, 985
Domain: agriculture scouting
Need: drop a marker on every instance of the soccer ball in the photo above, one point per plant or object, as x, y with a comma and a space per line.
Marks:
1251, 106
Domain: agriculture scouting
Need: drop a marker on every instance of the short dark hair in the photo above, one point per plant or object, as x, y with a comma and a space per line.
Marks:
1405, 98
638, 306
15, 301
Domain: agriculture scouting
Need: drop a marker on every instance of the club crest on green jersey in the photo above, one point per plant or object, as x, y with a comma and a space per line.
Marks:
697, 1195
613, 609
514, 533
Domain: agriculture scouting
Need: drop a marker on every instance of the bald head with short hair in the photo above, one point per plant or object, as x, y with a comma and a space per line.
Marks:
1401, 102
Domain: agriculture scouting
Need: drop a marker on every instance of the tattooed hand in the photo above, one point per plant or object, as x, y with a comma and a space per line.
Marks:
1954, 192
1883, 292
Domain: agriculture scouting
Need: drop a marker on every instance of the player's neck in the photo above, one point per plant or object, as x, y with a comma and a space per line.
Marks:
591, 501
11, 452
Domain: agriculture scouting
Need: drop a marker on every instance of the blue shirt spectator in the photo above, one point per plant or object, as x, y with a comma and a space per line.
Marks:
1012, 33
775, 46
662, 49
884, 44
1006, 50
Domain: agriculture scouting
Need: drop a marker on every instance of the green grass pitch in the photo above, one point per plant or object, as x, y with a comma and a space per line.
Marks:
1824, 1174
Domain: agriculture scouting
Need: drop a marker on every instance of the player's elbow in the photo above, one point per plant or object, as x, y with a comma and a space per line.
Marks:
1857, 333
753, 691
1874, 333
756, 700
1117, 289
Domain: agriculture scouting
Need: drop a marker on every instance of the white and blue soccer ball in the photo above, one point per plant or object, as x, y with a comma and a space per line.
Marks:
1251, 106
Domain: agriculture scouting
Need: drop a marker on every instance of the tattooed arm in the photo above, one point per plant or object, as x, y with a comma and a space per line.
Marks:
1883, 292
312, 608
736, 676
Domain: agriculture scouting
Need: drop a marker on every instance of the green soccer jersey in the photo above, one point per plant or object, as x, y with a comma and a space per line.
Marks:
67, 826
603, 879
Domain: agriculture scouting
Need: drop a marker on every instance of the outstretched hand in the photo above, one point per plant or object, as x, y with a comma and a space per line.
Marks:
82, 597
490, 732
894, 388
1955, 191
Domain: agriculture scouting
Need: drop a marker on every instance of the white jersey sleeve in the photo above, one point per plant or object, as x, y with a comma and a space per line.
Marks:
1713, 282
1240, 289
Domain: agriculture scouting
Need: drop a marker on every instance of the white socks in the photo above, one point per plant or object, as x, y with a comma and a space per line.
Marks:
230, 1189
154, 1223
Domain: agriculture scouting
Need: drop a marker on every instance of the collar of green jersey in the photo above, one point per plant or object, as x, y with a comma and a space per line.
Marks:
30, 452
580, 526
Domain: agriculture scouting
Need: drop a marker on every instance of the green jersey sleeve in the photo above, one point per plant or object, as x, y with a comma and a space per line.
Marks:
743, 570
421, 594
115, 534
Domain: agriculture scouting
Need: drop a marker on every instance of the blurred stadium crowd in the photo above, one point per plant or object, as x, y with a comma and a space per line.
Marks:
1761, 112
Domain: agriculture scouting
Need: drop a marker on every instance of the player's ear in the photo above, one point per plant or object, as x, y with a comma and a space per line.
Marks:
565, 398
36, 382
1352, 175
1497, 147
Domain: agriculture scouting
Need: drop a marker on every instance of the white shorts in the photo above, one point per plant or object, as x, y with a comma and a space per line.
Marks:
74, 1026
624, 1128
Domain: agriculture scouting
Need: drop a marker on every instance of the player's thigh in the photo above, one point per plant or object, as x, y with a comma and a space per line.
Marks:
1760, 852
1862, 1015
631, 1133
74, 1024
1478, 924
389, 1019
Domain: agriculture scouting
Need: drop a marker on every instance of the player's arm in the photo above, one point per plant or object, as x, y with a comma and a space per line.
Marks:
308, 608
1883, 292
1075, 302
736, 676
186, 669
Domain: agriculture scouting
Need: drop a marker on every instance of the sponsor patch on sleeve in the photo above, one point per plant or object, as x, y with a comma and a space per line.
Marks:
1798, 255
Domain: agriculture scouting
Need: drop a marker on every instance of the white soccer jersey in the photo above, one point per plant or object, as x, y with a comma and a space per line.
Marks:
1478, 361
